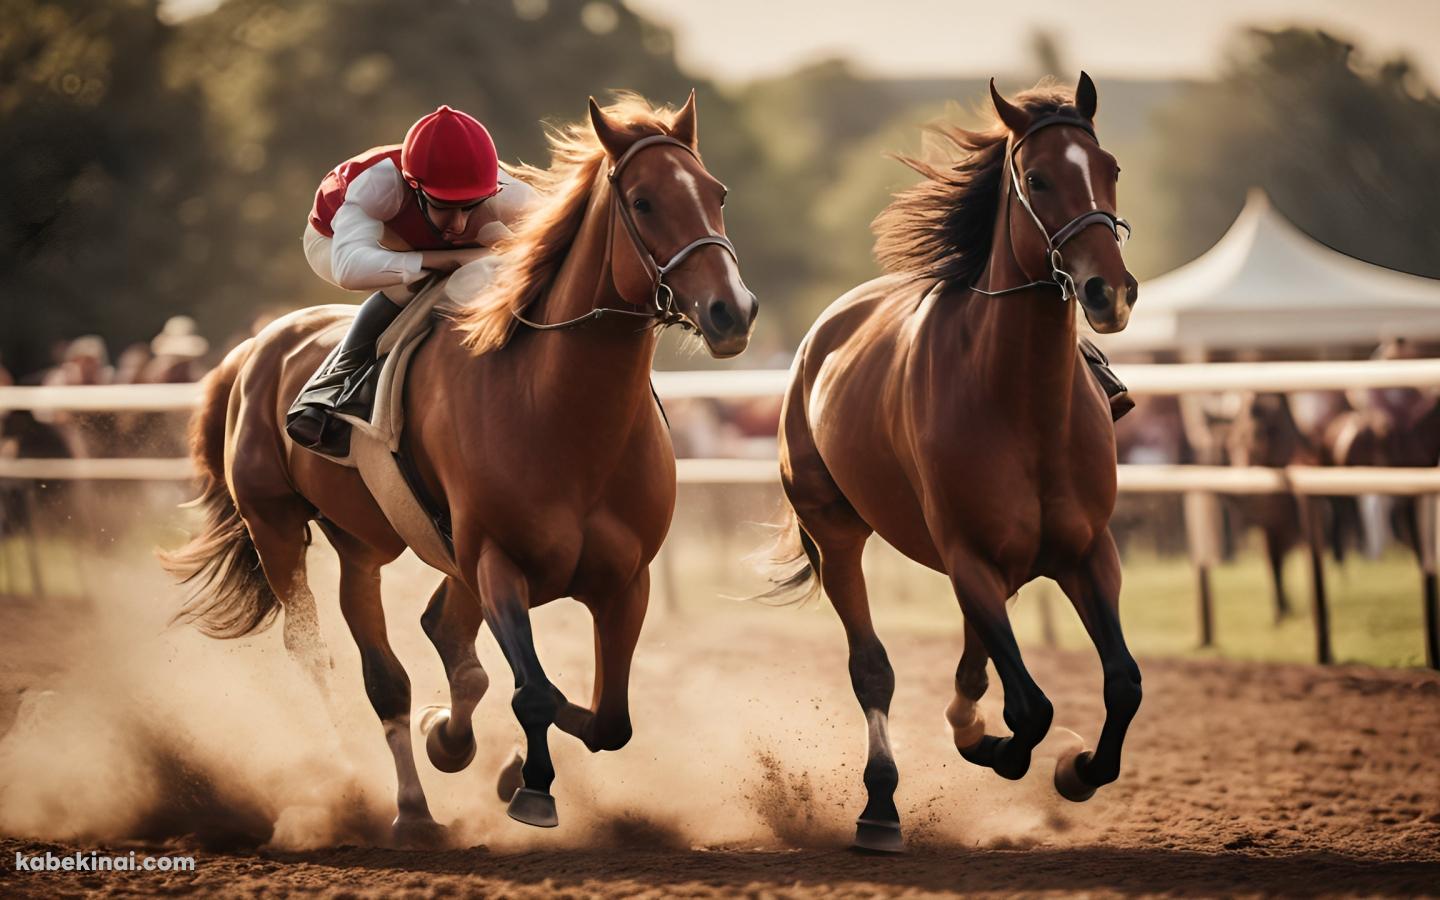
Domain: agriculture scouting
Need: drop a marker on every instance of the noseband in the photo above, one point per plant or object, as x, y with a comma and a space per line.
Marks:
1053, 242
663, 311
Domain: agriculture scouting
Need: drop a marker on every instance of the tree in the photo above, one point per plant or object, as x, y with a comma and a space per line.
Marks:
1346, 148
99, 150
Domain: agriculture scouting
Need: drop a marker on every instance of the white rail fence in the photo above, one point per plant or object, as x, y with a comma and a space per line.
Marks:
1194, 481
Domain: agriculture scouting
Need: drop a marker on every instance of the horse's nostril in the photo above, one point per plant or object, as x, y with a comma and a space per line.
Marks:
754, 309
1097, 293
720, 316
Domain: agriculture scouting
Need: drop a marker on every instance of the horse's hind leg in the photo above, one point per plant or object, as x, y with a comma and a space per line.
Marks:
1094, 588
838, 535
1028, 711
452, 620
505, 593
386, 683
1278, 539
873, 681
280, 529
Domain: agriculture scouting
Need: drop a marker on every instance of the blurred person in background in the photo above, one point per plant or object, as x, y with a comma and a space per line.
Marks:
384, 221
85, 361
177, 352
130, 365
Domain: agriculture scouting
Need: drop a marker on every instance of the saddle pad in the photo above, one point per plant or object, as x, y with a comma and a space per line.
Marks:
373, 444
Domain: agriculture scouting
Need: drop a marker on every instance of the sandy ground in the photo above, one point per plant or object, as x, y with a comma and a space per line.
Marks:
743, 777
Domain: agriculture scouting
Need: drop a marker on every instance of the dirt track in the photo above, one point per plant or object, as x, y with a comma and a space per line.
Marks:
743, 776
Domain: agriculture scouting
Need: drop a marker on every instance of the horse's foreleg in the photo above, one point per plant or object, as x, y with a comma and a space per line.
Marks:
1276, 544
505, 594
451, 621
1027, 710
618, 619
1094, 588
971, 682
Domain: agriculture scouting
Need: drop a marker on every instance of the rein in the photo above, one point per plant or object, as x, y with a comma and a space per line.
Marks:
1058, 276
664, 312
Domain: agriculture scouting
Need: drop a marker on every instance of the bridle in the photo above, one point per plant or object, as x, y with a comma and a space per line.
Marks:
662, 312
1058, 276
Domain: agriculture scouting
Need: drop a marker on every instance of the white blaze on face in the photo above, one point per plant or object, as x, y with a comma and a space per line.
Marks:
1078, 156
738, 290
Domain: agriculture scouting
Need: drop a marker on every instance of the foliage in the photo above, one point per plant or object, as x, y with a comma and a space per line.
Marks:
1346, 148
95, 170
156, 167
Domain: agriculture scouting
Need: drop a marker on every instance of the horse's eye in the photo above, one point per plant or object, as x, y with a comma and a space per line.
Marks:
641, 205
1034, 182
1117, 173
723, 195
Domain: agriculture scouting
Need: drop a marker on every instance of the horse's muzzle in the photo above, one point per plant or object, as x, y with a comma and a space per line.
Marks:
726, 324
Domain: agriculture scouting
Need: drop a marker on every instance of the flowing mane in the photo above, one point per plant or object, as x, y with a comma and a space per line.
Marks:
942, 227
529, 261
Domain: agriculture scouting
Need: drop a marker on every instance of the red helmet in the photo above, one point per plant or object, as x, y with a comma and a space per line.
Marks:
450, 156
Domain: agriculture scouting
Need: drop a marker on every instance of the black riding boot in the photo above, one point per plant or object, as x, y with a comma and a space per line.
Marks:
342, 384
1120, 402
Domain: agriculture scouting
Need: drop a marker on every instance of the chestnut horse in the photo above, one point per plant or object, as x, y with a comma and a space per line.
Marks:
544, 446
946, 407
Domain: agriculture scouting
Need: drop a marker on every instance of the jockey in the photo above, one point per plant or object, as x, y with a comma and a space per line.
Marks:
384, 221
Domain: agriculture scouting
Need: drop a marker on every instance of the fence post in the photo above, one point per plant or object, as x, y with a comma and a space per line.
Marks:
1202, 531
32, 542
1427, 537
1319, 605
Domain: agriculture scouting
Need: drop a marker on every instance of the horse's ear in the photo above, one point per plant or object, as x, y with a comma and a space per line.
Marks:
1086, 100
684, 126
1015, 118
614, 142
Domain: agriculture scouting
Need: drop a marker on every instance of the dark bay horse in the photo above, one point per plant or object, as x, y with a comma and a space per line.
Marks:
543, 441
947, 408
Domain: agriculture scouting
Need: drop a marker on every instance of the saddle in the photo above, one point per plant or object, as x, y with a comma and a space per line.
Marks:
375, 444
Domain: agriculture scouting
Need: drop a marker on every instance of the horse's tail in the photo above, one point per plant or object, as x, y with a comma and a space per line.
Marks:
231, 597
794, 561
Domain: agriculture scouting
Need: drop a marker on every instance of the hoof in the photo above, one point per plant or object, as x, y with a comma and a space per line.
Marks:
443, 756
1067, 776
512, 778
878, 837
533, 808
967, 724
419, 834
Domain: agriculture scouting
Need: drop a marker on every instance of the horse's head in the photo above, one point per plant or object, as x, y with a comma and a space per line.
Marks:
668, 244
1064, 183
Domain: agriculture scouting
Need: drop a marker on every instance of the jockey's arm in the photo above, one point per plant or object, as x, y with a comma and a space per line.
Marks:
450, 260
357, 257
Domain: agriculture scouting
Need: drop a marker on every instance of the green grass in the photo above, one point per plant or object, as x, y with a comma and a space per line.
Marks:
1375, 610
1375, 605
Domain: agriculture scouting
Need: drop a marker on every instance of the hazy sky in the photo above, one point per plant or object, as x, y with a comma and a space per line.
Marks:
734, 40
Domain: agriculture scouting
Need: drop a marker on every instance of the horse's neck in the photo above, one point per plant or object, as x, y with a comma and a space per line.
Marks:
599, 370
1028, 340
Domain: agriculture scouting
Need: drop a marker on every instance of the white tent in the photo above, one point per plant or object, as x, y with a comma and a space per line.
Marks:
1266, 284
